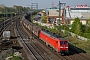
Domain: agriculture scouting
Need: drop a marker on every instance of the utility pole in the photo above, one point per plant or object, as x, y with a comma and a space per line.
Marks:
32, 24
59, 12
11, 13
31, 21
4, 16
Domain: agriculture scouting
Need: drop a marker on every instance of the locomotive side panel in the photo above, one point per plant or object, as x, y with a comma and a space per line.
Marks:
50, 41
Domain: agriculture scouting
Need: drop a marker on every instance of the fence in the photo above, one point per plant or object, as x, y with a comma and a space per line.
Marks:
73, 35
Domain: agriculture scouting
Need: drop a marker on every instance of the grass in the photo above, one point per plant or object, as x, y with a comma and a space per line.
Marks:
9, 55
16, 58
84, 45
1, 18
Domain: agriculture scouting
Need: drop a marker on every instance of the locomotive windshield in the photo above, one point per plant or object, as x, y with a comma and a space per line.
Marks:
63, 42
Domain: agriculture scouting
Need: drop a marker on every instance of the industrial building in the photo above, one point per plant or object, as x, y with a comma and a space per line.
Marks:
53, 15
68, 14
80, 11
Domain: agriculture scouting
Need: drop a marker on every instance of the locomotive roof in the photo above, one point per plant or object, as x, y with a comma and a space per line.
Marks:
53, 35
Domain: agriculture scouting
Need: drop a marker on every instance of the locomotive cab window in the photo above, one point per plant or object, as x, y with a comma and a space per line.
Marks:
63, 42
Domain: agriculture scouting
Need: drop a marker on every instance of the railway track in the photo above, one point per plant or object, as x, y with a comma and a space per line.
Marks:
4, 50
75, 56
47, 51
39, 51
4, 25
31, 49
78, 53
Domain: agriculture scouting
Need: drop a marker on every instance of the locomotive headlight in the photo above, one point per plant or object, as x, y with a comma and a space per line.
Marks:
61, 47
66, 47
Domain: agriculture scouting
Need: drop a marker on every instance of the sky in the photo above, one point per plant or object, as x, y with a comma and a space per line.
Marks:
43, 3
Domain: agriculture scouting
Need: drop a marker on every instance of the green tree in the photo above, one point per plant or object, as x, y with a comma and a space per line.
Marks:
88, 22
16, 58
76, 26
65, 27
1, 9
87, 30
44, 18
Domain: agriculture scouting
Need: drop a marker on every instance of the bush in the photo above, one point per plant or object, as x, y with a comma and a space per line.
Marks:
87, 35
44, 19
1, 18
16, 58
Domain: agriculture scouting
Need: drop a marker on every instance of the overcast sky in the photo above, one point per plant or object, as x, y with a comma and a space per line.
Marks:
43, 3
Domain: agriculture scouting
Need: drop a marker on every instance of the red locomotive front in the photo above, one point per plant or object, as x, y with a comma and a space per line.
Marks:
63, 45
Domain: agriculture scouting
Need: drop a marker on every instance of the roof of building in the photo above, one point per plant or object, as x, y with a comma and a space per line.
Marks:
80, 8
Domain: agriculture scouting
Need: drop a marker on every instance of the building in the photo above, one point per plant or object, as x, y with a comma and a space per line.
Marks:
53, 15
80, 11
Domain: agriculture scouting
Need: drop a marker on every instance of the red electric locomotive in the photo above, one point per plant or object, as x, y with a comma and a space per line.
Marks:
55, 41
